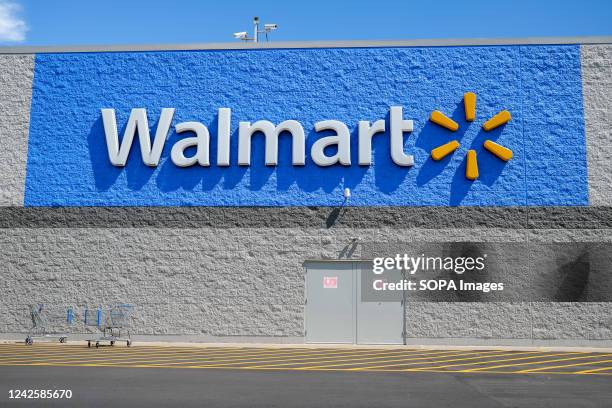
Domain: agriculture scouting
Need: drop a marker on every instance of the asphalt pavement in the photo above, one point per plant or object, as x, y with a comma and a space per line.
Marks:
146, 376
168, 387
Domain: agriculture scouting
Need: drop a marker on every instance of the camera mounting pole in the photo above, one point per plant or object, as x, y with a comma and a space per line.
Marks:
243, 35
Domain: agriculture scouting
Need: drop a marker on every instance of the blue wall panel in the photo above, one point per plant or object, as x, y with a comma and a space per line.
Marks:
539, 85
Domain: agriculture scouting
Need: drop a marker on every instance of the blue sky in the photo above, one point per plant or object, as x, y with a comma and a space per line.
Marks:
64, 22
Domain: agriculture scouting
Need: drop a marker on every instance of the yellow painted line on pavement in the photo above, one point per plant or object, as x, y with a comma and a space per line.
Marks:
595, 370
296, 359
534, 362
142, 344
118, 346
534, 370
349, 362
303, 360
377, 358
184, 346
542, 373
95, 354
334, 354
106, 349
27, 350
269, 356
199, 351
110, 352
127, 358
227, 362
136, 351
489, 354
538, 355
118, 352
322, 369
288, 358
414, 370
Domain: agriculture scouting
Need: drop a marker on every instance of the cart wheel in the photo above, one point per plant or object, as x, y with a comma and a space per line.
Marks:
29, 341
97, 344
112, 343
88, 343
129, 343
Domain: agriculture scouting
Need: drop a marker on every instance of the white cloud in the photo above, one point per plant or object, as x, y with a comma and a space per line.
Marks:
12, 27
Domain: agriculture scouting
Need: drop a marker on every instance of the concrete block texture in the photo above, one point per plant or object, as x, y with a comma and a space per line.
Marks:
16, 75
597, 94
502, 320
226, 278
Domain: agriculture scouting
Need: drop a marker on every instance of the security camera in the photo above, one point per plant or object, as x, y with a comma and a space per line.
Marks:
270, 27
241, 35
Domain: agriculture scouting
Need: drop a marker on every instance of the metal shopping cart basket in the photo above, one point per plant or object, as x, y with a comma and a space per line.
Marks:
111, 322
49, 323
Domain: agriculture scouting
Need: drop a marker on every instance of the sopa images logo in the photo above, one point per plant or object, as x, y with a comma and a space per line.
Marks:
469, 102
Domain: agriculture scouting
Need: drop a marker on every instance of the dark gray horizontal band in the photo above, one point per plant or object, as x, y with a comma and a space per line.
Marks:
310, 44
314, 217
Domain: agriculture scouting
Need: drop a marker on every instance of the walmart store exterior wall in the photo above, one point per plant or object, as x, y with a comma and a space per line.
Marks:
238, 272
540, 85
184, 268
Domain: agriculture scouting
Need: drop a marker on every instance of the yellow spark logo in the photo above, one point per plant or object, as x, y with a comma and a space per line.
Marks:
469, 102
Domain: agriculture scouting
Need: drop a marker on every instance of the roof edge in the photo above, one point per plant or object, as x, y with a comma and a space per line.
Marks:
466, 42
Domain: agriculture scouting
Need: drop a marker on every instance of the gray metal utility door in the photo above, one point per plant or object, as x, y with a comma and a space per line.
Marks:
335, 312
330, 302
377, 322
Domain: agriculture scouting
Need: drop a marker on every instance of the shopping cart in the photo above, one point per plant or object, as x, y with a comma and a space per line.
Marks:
112, 323
45, 321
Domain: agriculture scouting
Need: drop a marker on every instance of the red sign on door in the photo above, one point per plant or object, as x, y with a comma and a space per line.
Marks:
330, 282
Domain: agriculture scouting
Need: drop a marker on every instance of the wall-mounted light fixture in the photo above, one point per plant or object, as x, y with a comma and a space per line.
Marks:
347, 194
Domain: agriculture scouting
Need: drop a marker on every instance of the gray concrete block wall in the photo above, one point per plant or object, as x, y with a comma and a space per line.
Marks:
515, 320
597, 96
226, 278
508, 320
221, 282
16, 75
